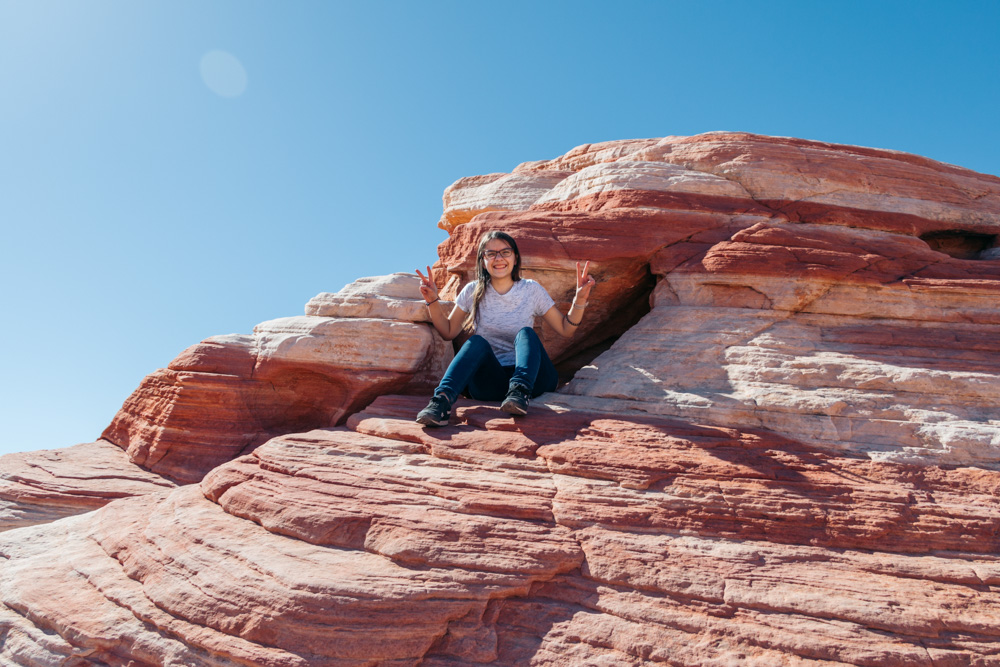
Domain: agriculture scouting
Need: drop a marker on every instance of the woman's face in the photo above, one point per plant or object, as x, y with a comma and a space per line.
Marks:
496, 264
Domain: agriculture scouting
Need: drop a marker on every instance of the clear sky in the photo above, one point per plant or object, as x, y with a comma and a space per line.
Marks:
179, 169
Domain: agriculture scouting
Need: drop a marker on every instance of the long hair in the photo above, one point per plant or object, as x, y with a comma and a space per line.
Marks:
483, 276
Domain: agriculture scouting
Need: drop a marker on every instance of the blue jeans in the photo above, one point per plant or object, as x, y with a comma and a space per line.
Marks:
476, 367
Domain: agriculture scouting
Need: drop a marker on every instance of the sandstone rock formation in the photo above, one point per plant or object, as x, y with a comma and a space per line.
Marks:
39, 487
781, 448
228, 394
573, 538
800, 286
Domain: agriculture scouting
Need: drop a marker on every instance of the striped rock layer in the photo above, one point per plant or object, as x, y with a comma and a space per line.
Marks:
228, 394
779, 446
843, 296
571, 538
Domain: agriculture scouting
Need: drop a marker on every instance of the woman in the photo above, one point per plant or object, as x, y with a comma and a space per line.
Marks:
504, 358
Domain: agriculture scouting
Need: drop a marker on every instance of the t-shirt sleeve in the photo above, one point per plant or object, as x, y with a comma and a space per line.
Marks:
464, 298
542, 300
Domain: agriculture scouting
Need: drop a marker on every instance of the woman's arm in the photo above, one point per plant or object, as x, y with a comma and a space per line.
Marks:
448, 326
566, 325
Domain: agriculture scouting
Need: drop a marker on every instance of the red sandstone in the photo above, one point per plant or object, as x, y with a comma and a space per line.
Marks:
781, 449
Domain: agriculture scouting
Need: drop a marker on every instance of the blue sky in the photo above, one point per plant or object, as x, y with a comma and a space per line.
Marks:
143, 212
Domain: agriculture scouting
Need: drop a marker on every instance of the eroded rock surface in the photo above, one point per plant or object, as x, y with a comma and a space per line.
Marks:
843, 296
566, 538
228, 394
781, 449
42, 486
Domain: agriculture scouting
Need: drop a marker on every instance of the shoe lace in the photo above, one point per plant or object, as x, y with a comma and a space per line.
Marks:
519, 391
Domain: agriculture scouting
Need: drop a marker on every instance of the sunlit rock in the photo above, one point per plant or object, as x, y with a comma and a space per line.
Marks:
780, 445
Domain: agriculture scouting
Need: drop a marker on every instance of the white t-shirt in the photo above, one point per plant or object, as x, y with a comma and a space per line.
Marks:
501, 316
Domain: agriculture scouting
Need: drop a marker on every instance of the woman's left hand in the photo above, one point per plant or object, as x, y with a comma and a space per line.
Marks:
584, 283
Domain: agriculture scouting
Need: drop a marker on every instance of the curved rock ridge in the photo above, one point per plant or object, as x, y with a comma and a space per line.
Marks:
795, 285
42, 486
812, 181
568, 538
807, 181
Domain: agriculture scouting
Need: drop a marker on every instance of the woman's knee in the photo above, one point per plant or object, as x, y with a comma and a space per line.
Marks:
528, 333
476, 342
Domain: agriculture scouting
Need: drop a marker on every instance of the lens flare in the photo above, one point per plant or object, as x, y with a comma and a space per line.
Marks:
223, 73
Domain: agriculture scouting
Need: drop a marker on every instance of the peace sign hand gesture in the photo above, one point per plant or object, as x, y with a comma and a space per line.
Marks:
428, 289
584, 283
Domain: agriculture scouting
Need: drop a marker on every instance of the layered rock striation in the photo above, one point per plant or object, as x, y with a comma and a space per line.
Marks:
779, 447
573, 538
228, 394
39, 487
840, 295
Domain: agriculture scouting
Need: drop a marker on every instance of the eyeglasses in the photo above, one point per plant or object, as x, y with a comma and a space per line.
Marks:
506, 253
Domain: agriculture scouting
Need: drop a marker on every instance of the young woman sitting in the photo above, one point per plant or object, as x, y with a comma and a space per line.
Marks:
503, 359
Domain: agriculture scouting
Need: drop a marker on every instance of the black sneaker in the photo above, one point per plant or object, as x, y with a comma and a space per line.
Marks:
516, 402
437, 412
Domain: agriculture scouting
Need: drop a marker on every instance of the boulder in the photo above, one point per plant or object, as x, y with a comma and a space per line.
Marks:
228, 394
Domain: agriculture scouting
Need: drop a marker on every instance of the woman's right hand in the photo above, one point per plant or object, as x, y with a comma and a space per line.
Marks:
428, 289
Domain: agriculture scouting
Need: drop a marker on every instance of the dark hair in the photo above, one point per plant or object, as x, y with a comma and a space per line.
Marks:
483, 276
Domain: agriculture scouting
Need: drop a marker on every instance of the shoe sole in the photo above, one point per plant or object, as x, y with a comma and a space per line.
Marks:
427, 420
513, 408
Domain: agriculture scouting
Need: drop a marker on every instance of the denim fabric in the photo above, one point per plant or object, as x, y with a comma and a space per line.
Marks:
476, 368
